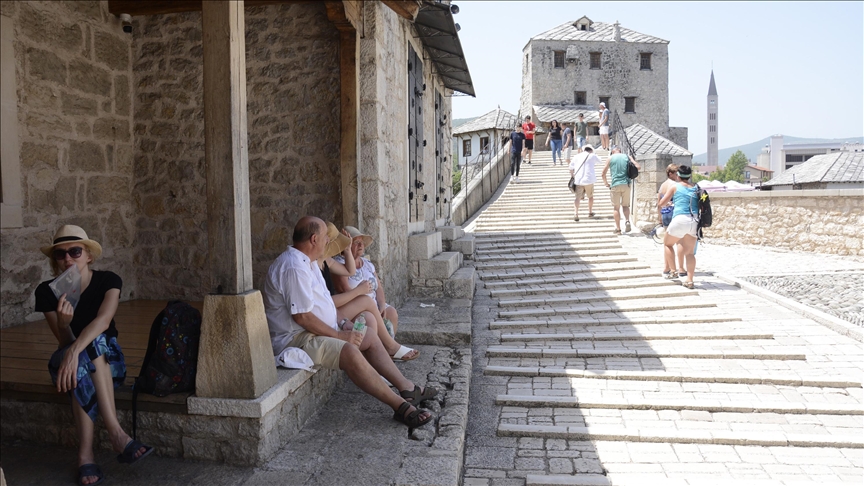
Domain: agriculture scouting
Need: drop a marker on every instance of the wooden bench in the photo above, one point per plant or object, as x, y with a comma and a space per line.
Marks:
26, 349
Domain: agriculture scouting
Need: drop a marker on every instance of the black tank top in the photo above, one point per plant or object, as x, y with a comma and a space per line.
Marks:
328, 279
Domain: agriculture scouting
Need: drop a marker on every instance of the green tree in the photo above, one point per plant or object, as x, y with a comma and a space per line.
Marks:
734, 169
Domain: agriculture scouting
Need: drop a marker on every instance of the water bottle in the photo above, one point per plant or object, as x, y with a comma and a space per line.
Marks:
360, 325
389, 326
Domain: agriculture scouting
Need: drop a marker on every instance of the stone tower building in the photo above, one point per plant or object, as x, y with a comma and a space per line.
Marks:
712, 123
578, 64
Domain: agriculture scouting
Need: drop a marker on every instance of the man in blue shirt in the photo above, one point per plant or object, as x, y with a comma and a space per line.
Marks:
619, 187
517, 138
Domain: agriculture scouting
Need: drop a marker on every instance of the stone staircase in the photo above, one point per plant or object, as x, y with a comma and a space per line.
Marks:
436, 273
615, 376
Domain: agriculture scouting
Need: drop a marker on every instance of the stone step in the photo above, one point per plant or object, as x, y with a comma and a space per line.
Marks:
608, 321
722, 437
505, 352
601, 240
553, 262
460, 285
441, 266
584, 286
464, 245
660, 479
579, 277
569, 269
487, 249
682, 403
530, 257
450, 233
565, 234
602, 307
601, 296
630, 336
594, 225
718, 376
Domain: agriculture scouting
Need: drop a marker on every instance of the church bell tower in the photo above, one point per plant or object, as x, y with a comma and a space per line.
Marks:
712, 123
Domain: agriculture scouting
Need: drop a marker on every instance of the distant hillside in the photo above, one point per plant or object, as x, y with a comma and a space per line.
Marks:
752, 150
461, 121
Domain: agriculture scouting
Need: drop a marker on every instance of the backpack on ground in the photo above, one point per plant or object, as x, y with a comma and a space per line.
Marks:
171, 360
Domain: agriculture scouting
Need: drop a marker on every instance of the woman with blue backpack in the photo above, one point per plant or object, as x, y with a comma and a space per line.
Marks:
79, 305
684, 224
665, 215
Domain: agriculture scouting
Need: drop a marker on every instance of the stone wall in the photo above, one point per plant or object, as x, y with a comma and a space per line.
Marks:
821, 221
74, 82
620, 76
383, 158
292, 75
237, 440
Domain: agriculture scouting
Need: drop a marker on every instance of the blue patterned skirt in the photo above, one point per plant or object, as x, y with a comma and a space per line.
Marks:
85, 392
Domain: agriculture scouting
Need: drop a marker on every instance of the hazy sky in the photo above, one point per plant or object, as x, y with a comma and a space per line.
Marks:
795, 68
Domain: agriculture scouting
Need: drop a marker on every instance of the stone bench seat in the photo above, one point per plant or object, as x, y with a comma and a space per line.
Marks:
235, 431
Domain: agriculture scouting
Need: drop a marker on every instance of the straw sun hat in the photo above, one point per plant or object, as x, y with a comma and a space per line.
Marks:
355, 233
338, 241
70, 233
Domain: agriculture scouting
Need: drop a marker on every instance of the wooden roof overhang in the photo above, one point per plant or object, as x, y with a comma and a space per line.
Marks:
404, 8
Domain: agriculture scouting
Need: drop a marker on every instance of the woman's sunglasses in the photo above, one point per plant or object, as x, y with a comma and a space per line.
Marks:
74, 252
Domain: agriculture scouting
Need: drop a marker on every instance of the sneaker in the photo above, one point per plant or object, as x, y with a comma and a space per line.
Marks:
627, 227
576, 218
512, 178
517, 179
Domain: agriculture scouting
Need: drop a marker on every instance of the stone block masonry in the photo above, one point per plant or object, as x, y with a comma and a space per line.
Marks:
819, 221
292, 72
74, 79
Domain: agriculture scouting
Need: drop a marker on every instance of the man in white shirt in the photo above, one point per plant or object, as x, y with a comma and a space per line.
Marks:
582, 171
301, 314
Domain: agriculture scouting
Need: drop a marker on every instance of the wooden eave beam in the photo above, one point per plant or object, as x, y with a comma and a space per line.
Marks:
407, 9
158, 7
345, 15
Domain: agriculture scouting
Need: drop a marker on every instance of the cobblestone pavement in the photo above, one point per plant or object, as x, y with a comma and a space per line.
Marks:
590, 369
838, 294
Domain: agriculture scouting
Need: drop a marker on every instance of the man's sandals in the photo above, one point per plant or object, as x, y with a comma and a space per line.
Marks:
414, 397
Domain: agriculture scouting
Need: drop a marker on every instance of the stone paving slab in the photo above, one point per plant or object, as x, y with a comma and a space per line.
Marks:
738, 406
628, 434
448, 323
564, 270
493, 351
672, 376
604, 306
619, 336
657, 480
540, 262
631, 281
587, 295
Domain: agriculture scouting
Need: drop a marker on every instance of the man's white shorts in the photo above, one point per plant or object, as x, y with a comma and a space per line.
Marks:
604, 130
682, 225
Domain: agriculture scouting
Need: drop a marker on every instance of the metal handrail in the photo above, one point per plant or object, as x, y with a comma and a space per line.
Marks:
474, 166
621, 139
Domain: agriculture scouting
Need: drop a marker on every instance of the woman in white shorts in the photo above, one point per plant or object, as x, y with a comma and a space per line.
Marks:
682, 228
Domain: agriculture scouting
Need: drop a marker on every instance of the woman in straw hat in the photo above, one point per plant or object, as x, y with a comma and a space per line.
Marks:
89, 363
366, 273
339, 261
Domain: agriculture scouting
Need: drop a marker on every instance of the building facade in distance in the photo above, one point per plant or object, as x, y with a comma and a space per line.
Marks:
571, 68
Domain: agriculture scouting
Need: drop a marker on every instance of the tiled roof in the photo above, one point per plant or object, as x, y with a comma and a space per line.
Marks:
833, 167
598, 32
497, 118
763, 169
566, 113
645, 141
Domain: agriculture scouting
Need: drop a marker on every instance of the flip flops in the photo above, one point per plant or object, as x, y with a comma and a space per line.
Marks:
403, 350
128, 454
88, 470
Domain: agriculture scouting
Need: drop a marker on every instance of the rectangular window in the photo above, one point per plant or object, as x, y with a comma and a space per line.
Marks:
747, 174
645, 61
466, 148
579, 98
484, 144
559, 58
595, 61
605, 99
630, 104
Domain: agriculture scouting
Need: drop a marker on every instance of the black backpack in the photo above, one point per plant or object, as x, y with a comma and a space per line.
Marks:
632, 171
705, 216
171, 360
